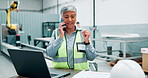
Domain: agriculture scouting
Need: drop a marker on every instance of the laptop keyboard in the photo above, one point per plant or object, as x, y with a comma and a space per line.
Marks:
52, 75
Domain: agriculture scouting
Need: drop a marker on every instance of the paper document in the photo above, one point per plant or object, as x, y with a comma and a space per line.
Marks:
92, 74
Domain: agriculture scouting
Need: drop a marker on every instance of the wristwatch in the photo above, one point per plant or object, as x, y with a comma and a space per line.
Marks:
86, 43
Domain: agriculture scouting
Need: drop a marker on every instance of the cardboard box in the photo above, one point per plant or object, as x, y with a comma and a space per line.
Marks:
145, 62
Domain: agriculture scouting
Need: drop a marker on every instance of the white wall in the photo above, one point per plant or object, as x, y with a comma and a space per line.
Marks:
114, 12
24, 4
50, 3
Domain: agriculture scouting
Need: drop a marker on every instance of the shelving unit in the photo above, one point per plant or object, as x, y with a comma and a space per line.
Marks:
48, 27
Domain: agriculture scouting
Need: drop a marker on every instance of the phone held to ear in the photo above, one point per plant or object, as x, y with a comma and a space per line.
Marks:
63, 25
63, 21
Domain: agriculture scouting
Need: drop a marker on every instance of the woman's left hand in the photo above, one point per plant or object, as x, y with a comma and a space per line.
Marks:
86, 35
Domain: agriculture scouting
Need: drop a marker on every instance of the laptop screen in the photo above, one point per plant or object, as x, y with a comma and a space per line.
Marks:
29, 63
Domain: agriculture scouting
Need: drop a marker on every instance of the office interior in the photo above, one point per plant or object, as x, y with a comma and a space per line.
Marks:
118, 30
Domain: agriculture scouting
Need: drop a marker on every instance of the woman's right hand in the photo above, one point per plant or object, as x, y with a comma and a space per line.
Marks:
61, 29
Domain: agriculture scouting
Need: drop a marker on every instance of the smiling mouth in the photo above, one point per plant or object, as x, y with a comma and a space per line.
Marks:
70, 23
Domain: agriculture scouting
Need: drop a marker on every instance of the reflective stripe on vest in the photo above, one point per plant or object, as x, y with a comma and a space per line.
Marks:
61, 60
64, 59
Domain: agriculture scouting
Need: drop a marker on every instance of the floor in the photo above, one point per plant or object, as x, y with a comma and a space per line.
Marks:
7, 69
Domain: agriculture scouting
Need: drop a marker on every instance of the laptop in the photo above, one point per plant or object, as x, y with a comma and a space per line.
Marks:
31, 63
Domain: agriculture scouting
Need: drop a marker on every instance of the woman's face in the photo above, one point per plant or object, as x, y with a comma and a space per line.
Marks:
69, 18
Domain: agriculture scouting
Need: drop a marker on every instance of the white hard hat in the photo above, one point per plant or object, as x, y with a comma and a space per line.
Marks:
127, 69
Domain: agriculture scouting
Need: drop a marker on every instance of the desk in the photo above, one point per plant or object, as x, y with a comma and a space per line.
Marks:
73, 72
123, 41
38, 40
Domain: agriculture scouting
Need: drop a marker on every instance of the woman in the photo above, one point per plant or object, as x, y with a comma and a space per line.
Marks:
63, 49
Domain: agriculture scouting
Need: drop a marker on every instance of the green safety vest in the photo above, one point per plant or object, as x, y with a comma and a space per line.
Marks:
79, 58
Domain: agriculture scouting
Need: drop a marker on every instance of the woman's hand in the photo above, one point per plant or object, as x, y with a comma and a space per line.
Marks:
61, 29
86, 35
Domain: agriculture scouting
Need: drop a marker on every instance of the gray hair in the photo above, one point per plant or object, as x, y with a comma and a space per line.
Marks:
68, 8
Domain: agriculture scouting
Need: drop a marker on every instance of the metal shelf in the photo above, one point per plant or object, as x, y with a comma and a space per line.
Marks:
123, 41
48, 27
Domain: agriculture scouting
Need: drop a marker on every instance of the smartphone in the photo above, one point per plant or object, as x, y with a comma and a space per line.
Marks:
63, 21
63, 25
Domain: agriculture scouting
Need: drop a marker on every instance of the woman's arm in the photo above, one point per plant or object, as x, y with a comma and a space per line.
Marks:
53, 47
90, 52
